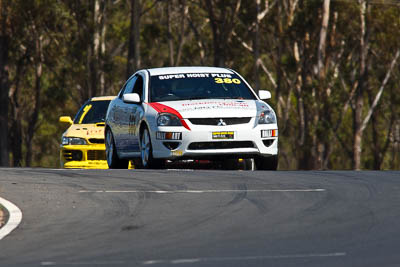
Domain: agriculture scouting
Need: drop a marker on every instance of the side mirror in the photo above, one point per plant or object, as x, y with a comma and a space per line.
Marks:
66, 119
131, 98
264, 94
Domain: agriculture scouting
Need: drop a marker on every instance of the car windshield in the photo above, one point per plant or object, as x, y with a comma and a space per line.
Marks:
190, 86
92, 112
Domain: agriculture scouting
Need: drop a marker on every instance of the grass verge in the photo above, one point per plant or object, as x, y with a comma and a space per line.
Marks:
3, 216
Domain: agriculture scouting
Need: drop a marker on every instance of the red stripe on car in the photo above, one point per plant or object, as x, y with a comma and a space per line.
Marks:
161, 108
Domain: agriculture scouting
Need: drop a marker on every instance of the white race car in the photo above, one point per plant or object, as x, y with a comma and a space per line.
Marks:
182, 113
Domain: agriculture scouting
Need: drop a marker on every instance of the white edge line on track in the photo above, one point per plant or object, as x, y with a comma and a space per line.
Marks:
202, 191
271, 257
197, 260
14, 217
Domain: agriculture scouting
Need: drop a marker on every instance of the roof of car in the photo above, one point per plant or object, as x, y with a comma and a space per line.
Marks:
102, 98
176, 70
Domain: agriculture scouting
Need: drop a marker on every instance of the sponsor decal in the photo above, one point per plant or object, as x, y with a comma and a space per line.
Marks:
218, 77
177, 153
212, 104
168, 136
222, 77
223, 135
96, 131
171, 76
227, 80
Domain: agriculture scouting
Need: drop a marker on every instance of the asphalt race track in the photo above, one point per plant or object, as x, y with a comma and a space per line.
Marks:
202, 218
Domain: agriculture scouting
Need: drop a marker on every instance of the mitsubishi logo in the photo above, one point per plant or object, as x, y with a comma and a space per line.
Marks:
221, 123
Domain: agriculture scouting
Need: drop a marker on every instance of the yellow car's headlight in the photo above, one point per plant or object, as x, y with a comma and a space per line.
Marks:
73, 141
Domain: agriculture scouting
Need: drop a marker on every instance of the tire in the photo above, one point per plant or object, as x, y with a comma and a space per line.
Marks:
249, 164
266, 163
113, 161
137, 163
146, 152
230, 164
245, 164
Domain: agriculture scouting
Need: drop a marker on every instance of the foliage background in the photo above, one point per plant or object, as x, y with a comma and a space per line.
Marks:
325, 62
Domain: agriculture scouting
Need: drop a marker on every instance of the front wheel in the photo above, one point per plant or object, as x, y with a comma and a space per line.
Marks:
266, 163
113, 161
146, 152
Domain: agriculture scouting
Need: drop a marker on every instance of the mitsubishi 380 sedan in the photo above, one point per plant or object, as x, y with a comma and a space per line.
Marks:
189, 113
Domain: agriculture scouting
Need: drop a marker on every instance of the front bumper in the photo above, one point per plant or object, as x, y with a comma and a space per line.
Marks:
83, 156
201, 142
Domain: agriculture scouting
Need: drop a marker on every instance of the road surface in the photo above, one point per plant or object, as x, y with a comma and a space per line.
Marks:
202, 218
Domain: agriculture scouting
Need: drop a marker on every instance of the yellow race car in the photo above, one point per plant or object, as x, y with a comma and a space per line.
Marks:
82, 144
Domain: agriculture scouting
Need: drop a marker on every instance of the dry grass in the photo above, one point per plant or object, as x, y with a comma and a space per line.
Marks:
2, 217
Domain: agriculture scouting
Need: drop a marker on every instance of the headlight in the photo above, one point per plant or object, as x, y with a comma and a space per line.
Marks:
267, 116
73, 141
167, 119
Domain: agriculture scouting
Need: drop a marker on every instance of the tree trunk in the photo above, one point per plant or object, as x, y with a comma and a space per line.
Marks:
16, 123
375, 145
322, 39
4, 86
279, 71
184, 12
133, 62
169, 35
306, 144
94, 48
394, 164
37, 101
221, 26
219, 54
256, 47
322, 144
362, 84
99, 43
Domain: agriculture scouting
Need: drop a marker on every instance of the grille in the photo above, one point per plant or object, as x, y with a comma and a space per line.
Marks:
96, 155
215, 121
96, 140
72, 155
221, 145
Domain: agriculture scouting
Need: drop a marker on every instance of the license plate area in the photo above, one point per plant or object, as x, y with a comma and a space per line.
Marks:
224, 135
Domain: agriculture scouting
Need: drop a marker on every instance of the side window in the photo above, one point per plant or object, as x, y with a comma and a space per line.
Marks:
138, 87
128, 88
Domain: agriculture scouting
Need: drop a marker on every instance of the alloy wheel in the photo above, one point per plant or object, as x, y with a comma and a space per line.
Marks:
145, 147
109, 147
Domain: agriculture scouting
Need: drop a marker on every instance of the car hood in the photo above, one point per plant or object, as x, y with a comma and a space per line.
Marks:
210, 108
85, 131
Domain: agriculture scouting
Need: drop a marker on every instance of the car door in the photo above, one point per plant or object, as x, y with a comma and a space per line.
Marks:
132, 119
121, 115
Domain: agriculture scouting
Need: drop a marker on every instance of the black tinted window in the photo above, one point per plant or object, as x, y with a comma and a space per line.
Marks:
92, 112
138, 87
198, 86
129, 86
